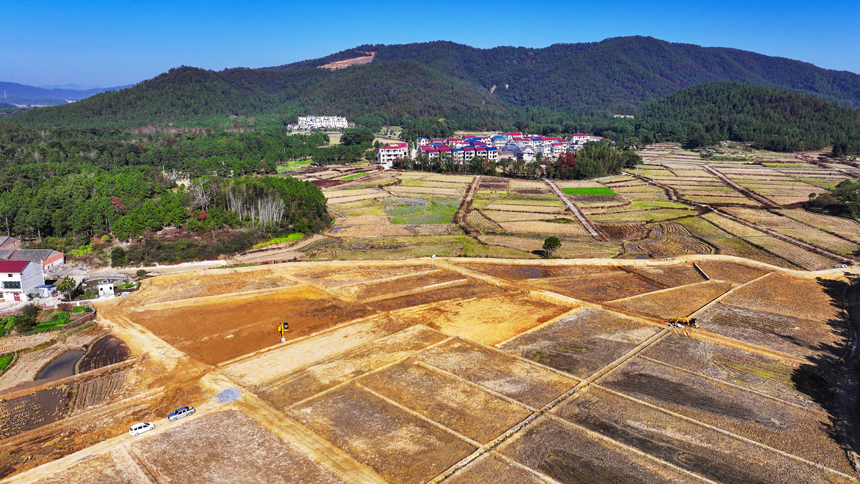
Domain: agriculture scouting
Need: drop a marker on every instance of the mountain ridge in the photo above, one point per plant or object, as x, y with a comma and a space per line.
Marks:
475, 87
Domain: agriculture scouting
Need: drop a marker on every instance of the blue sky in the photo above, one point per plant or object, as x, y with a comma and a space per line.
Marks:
112, 43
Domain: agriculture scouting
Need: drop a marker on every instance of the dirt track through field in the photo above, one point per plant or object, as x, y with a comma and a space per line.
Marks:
582, 219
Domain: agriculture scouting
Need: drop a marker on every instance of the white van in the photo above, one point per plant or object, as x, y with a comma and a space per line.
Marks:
140, 428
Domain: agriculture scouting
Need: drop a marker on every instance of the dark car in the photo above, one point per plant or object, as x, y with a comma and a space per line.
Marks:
180, 412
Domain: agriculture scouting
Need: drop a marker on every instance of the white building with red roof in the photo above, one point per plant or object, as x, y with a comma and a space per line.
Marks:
20, 277
386, 155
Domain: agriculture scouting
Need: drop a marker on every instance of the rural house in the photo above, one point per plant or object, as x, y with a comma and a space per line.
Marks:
47, 258
20, 277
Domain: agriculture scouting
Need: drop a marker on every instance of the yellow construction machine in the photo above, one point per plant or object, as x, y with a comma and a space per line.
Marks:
683, 321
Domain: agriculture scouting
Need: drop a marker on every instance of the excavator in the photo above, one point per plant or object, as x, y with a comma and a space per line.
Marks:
684, 321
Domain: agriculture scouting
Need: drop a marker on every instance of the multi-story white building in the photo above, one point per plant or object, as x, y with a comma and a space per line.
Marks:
387, 154
317, 122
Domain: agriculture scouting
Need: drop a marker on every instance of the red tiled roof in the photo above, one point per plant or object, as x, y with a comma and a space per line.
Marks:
14, 266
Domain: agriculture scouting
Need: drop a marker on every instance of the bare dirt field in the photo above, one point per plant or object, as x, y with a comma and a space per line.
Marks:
398, 445
676, 302
582, 343
450, 371
227, 446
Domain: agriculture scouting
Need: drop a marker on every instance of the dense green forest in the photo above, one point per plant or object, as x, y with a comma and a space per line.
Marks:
545, 90
769, 118
65, 186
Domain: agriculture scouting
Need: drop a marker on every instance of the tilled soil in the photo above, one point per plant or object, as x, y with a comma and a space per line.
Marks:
108, 350
598, 287
730, 365
445, 399
568, 454
492, 469
400, 447
689, 446
785, 427
228, 447
671, 304
338, 369
582, 343
502, 373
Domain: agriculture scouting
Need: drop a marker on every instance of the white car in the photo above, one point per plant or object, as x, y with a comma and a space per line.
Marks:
140, 428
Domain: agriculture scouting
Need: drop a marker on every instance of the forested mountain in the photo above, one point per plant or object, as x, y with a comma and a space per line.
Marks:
770, 118
566, 82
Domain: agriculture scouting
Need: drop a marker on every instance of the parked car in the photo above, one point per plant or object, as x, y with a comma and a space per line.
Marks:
181, 412
140, 428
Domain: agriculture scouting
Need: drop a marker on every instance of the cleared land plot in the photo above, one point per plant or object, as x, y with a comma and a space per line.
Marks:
502, 373
341, 368
541, 209
516, 272
108, 468
391, 286
597, 287
845, 227
581, 343
778, 425
656, 215
487, 320
572, 246
570, 454
226, 282
399, 446
672, 303
296, 355
231, 328
444, 399
792, 253
695, 448
228, 447
492, 469
349, 275
796, 316
468, 290
727, 244
669, 275
28, 366
731, 365
730, 271
793, 228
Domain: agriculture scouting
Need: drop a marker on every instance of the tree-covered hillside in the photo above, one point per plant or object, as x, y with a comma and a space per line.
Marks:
475, 88
770, 118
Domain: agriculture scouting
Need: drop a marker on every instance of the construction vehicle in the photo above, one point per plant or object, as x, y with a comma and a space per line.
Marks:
691, 322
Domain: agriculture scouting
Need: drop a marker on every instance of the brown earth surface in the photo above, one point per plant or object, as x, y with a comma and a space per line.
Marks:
388, 374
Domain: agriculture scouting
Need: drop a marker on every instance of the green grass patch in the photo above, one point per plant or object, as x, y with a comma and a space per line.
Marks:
603, 191
356, 175
59, 320
6, 325
434, 212
5, 360
280, 240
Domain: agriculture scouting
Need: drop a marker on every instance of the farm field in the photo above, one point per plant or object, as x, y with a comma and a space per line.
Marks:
456, 370
675, 204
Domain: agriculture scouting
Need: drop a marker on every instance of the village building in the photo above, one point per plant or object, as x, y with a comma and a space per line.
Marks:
387, 154
9, 243
47, 259
20, 278
322, 122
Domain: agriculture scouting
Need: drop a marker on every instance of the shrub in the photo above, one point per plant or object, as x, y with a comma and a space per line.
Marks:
5, 360
141, 273
24, 322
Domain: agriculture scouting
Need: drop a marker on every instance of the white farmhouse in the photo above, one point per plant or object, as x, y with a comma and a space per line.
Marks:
20, 277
